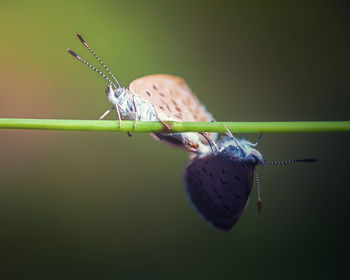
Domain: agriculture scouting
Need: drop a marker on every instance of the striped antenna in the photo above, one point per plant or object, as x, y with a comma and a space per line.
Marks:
291, 161
259, 192
98, 59
89, 65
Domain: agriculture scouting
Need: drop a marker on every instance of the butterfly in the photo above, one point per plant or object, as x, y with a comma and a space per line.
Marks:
219, 178
218, 183
156, 97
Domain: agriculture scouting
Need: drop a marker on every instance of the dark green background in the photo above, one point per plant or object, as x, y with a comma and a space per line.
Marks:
84, 205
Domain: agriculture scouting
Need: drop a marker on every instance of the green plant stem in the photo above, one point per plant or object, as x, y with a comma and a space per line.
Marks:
110, 125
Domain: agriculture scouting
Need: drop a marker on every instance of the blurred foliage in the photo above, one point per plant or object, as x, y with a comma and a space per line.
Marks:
78, 205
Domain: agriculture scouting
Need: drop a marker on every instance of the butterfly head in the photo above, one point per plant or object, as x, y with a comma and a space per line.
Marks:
113, 93
250, 152
242, 149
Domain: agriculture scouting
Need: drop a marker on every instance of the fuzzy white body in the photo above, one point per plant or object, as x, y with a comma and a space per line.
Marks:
125, 99
145, 111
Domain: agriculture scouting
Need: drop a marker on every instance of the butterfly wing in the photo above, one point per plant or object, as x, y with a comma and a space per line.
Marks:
219, 186
173, 99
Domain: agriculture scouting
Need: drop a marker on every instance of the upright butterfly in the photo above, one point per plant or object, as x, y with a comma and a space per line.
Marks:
157, 97
219, 182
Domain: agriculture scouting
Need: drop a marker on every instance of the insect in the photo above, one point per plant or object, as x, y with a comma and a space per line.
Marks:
157, 97
219, 183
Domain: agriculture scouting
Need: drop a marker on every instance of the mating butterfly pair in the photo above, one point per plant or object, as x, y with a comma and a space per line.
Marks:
219, 178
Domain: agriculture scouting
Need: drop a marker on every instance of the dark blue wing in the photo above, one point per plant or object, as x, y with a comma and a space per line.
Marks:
219, 187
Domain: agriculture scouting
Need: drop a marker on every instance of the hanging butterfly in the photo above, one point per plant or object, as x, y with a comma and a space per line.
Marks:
157, 97
218, 183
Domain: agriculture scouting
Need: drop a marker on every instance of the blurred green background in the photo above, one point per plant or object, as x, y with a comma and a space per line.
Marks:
84, 205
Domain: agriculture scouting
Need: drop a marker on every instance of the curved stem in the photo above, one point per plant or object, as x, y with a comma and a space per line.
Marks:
110, 125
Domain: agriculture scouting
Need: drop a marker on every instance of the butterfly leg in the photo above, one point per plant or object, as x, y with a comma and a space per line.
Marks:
192, 146
258, 140
167, 127
231, 135
133, 100
106, 113
133, 127
118, 114
211, 142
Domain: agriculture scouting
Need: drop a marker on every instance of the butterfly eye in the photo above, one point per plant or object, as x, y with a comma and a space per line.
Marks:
253, 159
117, 92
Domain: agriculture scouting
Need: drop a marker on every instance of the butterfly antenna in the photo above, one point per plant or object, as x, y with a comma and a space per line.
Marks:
89, 65
98, 59
259, 192
291, 161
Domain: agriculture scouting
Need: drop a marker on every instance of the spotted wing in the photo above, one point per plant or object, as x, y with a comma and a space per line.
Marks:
173, 99
219, 187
